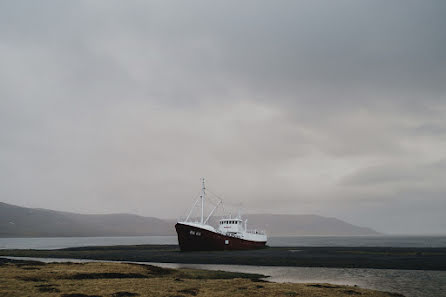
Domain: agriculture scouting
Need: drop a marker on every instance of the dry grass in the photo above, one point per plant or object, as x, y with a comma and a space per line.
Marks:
127, 280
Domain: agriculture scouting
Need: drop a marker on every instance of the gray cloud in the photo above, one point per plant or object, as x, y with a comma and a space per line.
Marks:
395, 173
292, 107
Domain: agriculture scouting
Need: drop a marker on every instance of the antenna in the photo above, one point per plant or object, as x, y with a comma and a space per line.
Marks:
203, 196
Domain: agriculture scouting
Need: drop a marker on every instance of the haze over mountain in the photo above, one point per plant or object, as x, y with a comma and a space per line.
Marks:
289, 225
18, 221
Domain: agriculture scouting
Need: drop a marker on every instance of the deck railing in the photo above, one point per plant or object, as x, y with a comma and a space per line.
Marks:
261, 232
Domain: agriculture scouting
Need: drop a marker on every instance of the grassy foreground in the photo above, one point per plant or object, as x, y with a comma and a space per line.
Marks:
25, 278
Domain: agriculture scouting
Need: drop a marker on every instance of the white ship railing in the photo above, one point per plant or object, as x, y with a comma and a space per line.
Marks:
261, 232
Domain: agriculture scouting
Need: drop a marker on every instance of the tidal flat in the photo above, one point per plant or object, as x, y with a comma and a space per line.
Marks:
30, 278
329, 257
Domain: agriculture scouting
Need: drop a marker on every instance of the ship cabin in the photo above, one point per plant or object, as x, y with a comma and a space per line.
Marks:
231, 226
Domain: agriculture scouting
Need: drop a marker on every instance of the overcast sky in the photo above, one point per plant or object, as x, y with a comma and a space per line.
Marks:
336, 108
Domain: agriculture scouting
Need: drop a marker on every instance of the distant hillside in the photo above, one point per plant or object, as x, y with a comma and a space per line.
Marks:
18, 221
288, 225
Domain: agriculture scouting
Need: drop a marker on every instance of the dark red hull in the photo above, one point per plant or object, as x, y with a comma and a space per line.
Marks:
193, 238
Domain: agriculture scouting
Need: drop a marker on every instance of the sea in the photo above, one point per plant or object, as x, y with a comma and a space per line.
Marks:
320, 241
410, 283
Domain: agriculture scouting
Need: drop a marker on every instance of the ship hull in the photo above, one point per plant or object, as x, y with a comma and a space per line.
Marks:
192, 238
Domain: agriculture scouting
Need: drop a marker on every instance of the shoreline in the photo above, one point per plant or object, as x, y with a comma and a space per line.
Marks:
328, 257
127, 279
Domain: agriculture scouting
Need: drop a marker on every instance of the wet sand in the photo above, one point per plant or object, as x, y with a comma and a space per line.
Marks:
335, 257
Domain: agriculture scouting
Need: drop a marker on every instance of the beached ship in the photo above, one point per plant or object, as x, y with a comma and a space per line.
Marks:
230, 234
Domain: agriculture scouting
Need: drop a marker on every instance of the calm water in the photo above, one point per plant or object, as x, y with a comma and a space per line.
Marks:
411, 283
359, 241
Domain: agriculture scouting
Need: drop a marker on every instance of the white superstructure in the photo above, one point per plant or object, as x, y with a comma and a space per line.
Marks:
238, 228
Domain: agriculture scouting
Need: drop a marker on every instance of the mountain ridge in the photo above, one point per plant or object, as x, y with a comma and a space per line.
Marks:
17, 221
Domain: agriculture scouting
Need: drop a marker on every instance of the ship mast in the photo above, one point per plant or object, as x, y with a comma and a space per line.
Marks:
203, 196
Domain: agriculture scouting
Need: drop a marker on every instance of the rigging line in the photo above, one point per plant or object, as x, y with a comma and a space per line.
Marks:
220, 202
232, 205
193, 207
212, 199
238, 205
196, 196
215, 194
